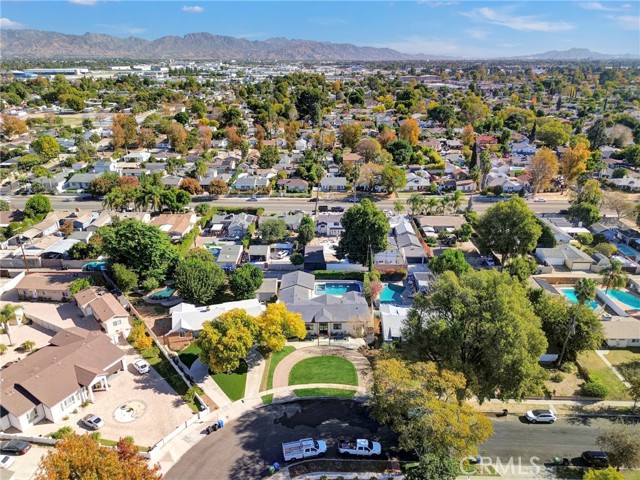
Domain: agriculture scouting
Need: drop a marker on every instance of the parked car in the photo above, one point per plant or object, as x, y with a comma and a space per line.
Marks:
323, 208
337, 209
540, 416
5, 461
93, 421
540, 200
253, 199
16, 447
595, 458
141, 365
282, 254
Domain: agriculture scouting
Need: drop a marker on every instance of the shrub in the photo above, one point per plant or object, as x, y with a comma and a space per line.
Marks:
61, 433
138, 336
594, 389
150, 284
3, 349
394, 274
338, 275
28, 345
296, 259
85, 404
557, 377
569, 367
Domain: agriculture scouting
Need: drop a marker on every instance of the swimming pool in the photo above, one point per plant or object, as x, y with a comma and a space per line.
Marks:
336, 288
570, 293
163, 294
391, 293
625, 297
626, 250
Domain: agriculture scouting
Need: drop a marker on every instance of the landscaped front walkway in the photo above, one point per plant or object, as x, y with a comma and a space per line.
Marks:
283, 370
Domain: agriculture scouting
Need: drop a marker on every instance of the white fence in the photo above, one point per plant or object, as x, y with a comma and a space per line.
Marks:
28, 438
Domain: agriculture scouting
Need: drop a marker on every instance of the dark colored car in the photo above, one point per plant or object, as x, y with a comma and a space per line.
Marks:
337, 209
17, 447
595, 458
323, 208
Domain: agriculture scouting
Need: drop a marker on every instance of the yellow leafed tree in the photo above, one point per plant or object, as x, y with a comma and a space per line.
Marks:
574, 162
410, 131
276, 324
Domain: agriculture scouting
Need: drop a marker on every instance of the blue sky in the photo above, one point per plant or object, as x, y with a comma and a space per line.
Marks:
456, 28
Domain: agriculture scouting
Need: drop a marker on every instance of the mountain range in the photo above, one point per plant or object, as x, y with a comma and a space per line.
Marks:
206, 46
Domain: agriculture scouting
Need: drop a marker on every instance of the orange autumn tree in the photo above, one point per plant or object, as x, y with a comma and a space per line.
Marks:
410, 131
81, 456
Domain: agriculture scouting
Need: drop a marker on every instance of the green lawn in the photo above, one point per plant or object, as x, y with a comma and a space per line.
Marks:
274, 359
625, 360
325, 369
324, 392
161, 365
267, 399
233, 384
189, 354
601, 373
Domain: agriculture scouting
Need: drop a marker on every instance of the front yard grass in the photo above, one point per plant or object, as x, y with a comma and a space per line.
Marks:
233, 384
324, 392
625, 360
267, 399
599, 372
326, 369
161, 365
274, 359
190, 354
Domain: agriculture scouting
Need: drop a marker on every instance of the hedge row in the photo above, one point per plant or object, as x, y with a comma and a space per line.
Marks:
338, 275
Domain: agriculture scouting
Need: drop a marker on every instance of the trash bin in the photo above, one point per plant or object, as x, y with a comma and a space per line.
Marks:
271, 470
276, 466
220, 424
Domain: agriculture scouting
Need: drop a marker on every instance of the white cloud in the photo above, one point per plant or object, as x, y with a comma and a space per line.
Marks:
88, 3
596, 6
434, 3
523, 23
9, 24
416, 45
121, 28
628, 22
477, 34
193, 9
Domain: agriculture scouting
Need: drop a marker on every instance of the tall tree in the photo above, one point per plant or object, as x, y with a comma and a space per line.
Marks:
544, 168
81, 456
198, 278
7, 315
277, 324
451, 260
37, 205
218, 187
12, 125
393, 178
482, 325
46, 146
369, 148
622, 442
409, 131
244, 281
553, 134
306, 231
597, 134
269, 156
225, 341
418, 401
573, 162
613, 276
619, 202
365, 233
509, 228
350, 134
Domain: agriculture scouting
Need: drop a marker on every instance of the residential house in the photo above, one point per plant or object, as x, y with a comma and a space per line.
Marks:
81, 181
293, 185
325, 314
392, 318
137, 157
259, 253
104, 218
230, 256
314, 258
53, 184
47, 286
331, 184
268, 290
466, 185
10, 216
523, 148
59, 249
106, 309
353, 158
621, 332
250, 183
171, 181
107, 165
329, 225
292, 220
416, 183
502, 180
439, 223
55, 380
565, 255
187, 319
176, 225
484, 141
81, 220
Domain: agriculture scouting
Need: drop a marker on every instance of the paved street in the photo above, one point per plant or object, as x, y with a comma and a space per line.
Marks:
246, 446
278, 204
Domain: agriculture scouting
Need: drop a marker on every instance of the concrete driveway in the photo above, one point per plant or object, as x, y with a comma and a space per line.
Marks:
24, 467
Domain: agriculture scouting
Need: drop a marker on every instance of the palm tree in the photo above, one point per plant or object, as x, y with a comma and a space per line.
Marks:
613, 275
585, 291
7, 314
432, 203
416, 203
457, 199
444, 203
398, 206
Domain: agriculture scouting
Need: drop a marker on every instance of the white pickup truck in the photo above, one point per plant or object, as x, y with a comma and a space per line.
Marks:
305, 448
359, 447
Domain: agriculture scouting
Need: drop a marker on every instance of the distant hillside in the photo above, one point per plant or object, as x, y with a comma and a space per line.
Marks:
575, 54
41, 44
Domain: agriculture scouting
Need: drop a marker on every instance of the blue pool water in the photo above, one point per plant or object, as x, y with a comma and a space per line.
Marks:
626, 298
626, 250
391, 293
163, 294
570, 293
336, 288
